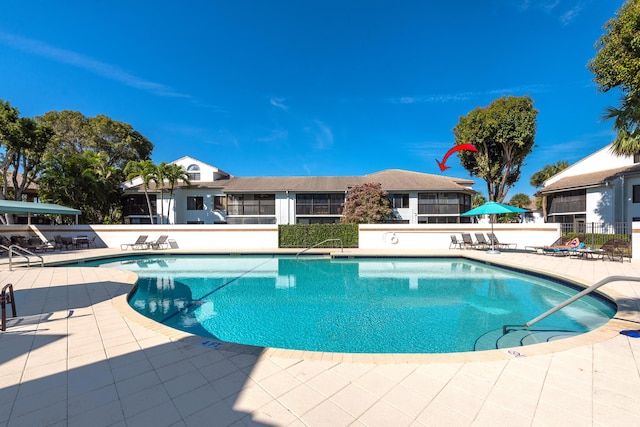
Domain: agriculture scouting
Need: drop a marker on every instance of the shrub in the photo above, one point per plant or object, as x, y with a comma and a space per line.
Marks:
307, 235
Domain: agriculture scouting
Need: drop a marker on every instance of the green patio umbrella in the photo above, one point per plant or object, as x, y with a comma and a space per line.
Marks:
493, 208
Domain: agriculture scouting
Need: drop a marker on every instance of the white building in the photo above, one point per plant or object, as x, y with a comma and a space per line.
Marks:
601, 188
215, 196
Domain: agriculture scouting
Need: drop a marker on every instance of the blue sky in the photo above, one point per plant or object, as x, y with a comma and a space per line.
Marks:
322, 87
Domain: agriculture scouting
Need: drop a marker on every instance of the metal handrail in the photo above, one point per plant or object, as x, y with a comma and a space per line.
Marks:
19, 250
571, 300
318, 244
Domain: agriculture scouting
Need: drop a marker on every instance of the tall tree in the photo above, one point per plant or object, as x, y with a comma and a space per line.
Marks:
537, 180
617, 65
75, 133
504, 135
172, 174
367, 204
520, 200
147, 171
84, 181
477, 199
23, 143
119, 141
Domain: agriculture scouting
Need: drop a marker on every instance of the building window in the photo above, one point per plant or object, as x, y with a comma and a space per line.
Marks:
195, 203
443, 208
251, 204
443, 203
319, 204
399, 201
636, 194
136, 204
194, 172
220, 203
567, 202
636, 158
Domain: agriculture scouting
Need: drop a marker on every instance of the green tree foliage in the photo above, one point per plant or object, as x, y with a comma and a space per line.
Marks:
146, 170
617, 65
85, 181
520, 200
23, 142
367, 204
504, 134
538, 178
478, 200
169, 175
118, 141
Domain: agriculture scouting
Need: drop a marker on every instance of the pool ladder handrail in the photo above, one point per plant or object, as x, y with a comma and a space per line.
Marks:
19, 250
571, 300
318, 244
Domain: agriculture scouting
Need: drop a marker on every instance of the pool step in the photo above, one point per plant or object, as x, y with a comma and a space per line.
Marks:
520, 337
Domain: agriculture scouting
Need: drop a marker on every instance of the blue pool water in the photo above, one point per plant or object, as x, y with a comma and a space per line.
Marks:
367, 305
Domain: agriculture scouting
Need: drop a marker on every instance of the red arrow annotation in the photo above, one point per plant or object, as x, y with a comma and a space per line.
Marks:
466, 147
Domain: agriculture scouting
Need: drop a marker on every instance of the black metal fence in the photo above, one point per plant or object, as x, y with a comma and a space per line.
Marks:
596, 234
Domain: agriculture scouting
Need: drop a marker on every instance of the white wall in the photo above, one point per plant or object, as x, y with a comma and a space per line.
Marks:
633, 209
265, 237
635, 240
207, 215
600, 206
599, 161
208, 173
438, 236
285, 208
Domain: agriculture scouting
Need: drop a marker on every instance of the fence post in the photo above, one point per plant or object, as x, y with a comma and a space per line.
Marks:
6, 297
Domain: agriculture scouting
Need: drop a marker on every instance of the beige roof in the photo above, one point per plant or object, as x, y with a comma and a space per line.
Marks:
391, 180
199, 184
593, 179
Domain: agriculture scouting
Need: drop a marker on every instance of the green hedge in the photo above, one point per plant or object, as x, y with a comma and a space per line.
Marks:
306, 235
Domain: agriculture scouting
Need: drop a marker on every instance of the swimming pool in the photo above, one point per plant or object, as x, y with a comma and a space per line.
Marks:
361, 305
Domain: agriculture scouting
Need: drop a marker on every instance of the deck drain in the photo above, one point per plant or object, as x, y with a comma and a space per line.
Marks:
209, 344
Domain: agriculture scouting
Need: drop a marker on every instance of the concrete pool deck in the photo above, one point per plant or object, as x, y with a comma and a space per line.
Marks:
77, 355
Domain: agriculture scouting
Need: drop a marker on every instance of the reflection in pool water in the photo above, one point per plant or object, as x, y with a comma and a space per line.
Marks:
370, 305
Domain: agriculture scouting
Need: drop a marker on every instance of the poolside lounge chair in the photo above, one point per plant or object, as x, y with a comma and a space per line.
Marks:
481, 241
617, 248
92, 242
141, 243
455, 243
565, 249
468, 242
161, 243
494, 240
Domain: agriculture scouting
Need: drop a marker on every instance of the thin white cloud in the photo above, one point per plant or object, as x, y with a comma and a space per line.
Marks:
279, 103
323, 136
94, 66
275, 135
465, 96
566, 12
568, 17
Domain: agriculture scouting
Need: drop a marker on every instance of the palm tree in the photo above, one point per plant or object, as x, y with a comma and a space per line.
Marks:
146, 170
537, 180
477, 199
173, 173
626, 121
160, 176
520, 200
